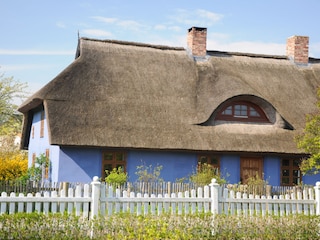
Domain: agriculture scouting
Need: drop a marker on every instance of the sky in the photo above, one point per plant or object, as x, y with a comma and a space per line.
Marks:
39, 38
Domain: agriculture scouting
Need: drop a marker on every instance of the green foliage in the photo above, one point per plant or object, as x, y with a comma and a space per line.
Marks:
204, 174
182, 227
10, 90
116, 177
149, 173
35, 172
309, 141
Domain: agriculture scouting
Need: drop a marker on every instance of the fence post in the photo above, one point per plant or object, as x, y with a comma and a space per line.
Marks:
317, 193
95, 202
214, 186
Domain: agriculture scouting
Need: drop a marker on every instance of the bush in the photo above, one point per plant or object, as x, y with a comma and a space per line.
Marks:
130, 226
116, 177
204, 174
13, 165
149, 173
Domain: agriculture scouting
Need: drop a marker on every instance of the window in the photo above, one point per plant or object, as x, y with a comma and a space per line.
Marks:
42, 125
111, 160
212, 160
33, 160
290, 172
242, 111
46, 168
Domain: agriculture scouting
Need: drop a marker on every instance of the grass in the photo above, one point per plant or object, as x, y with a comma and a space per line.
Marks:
130, 226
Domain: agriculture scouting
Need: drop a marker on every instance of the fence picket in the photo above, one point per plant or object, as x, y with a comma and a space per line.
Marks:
193, 204
186, 204
179, 204
299, 196
29, 204
21, 204
173, 204
46, 204
62, 204
54, 205
38, 204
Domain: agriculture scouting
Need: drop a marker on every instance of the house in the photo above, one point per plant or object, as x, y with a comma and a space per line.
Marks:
129, 104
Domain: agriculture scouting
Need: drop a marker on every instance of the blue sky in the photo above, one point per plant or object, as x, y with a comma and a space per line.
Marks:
39, 38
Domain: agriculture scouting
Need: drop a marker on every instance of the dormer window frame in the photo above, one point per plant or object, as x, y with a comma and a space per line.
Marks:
242, 111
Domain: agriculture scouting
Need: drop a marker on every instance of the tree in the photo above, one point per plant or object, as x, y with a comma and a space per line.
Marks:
309, 141
10, 120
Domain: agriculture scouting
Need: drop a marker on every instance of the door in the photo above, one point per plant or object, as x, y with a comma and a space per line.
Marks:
250, 167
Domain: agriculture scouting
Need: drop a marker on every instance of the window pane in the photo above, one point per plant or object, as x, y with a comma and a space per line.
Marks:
107, 167
285, 162
296, 162
253, 112
285, 180
214, 161
203, 159
296, 173
285, 173
296, 181
119, 156
107, 156
227, 111
240, 110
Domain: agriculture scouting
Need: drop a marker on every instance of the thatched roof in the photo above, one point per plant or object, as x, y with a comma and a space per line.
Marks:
120, 94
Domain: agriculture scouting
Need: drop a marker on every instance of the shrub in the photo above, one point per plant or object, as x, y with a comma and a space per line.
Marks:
204, 174
182, 227
13, 164
149, 173
116, 177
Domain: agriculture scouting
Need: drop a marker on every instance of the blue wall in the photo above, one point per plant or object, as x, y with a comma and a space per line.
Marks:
175, 165
271, 170
79, 165
230, 168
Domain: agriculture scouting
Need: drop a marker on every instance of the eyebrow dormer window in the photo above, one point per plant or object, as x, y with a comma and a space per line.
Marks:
242, 111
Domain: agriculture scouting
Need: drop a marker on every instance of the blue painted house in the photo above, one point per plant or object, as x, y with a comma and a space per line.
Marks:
128, 104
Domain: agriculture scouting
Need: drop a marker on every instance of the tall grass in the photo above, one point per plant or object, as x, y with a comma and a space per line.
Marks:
129, 226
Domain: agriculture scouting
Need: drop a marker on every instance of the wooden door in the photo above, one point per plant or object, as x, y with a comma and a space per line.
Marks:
250, 167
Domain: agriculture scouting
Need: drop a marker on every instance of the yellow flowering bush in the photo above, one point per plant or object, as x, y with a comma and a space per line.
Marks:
13, 164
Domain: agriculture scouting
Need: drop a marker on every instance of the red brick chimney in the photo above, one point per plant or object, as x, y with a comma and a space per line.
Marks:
197, 41
298, 49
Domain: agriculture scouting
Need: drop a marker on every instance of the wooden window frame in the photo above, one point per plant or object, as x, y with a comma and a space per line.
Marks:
42, 125
114, 162
47, 164
242, 118
208, 158
290, 174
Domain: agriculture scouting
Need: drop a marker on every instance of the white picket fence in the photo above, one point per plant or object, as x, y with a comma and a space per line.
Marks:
97, 199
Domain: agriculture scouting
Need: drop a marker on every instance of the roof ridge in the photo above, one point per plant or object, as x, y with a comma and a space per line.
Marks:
137, 44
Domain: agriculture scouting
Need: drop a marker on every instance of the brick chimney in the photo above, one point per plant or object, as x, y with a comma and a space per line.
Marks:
298, 49
197, 41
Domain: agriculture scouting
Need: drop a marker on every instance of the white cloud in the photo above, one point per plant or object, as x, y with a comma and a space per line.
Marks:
96, 33
23, 67
60, 25
160, 27
35, 52
105, 19
247, 47
211, 16
198, 17
315, 50
130, 24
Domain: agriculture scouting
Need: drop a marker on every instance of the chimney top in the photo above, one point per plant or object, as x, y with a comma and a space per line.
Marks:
197, 41
298, 49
